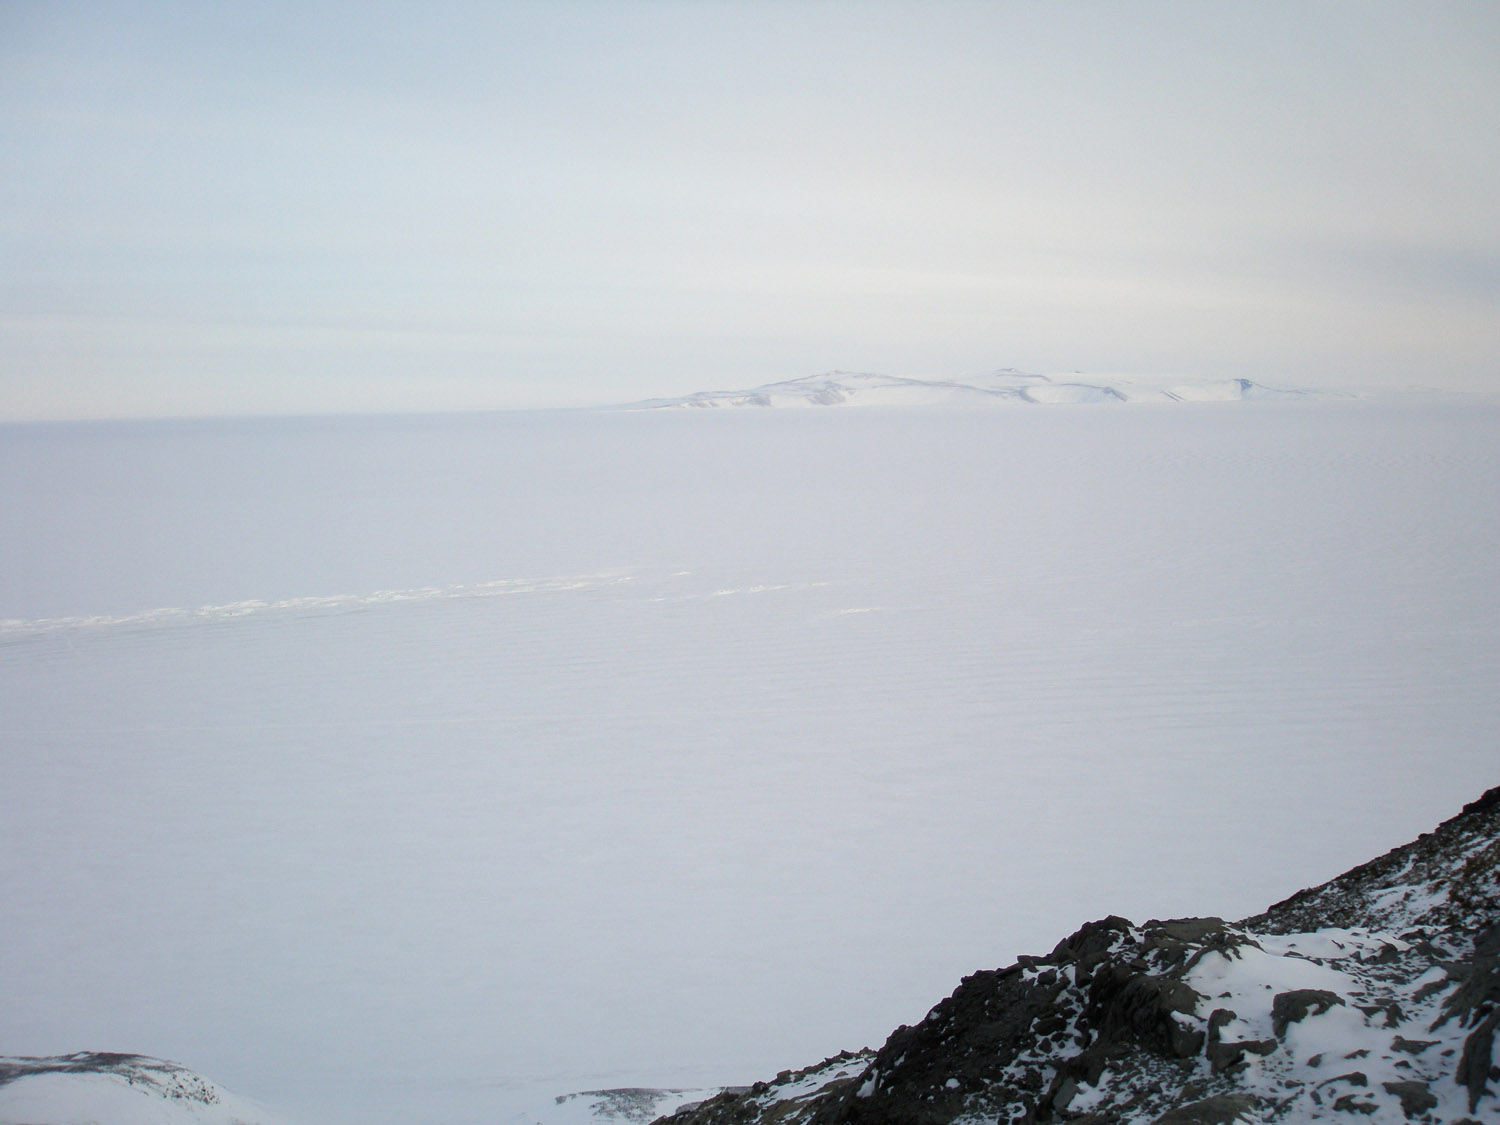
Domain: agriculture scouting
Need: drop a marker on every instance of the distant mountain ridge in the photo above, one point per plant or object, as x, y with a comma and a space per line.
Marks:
1005, 387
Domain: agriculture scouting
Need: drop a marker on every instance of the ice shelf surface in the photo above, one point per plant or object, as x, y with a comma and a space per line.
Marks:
401, 769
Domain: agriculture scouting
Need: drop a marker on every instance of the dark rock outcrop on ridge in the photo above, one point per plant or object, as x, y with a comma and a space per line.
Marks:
1374, 997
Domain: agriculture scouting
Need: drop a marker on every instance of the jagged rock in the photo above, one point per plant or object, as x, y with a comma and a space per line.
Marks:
1416, 1098
1293, 1007
1222, 1054
1412, 1046
1128, 1006
1221, 1109
1189, 1020
1353, 1078
1476, 1066
1190, 931
1487, 944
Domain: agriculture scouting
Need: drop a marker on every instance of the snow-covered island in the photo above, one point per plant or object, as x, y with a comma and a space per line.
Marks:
1375, 996
996, 388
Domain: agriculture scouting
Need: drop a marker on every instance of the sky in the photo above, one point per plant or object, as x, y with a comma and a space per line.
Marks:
264, 208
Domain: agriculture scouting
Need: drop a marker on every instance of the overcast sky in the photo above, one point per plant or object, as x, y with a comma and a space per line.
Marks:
266, 207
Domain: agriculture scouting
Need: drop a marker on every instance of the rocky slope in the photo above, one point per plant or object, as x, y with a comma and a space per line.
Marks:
1375, 997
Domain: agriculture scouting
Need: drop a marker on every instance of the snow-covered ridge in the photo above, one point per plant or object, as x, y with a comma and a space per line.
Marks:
95, 1086
997, 388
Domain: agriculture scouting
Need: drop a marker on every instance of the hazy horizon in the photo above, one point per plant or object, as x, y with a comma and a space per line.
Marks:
227, 210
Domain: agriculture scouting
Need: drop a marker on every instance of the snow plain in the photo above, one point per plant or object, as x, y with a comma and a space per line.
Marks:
427, 768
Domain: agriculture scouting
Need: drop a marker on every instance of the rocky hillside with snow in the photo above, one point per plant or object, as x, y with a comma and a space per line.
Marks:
1375, 997
997, 388
117, 1089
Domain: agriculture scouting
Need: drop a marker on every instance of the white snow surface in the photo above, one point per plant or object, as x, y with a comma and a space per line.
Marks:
432, 768
996, 388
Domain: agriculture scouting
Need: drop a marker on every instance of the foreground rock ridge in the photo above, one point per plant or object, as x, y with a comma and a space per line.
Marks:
1374, 997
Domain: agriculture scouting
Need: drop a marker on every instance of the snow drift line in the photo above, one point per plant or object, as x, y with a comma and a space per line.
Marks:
17, 627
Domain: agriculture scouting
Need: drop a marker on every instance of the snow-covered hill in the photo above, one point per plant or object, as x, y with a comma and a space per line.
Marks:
106, 1088
115, 1089
851, 388
1375, 996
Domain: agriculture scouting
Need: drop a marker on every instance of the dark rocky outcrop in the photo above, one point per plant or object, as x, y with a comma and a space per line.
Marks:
1374, 996
1295, 1006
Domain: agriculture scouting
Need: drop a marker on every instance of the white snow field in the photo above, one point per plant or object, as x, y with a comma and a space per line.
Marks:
427, 769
